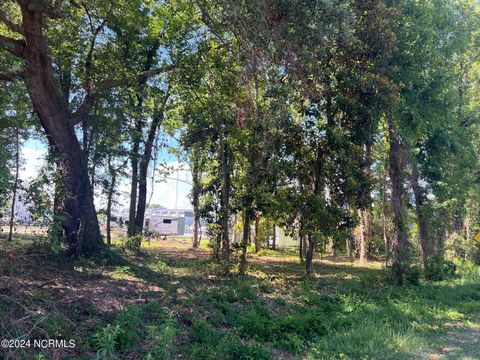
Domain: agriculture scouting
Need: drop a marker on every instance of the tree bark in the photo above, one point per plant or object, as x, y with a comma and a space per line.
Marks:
400, 243
111, 191
367, 212
361, 235
196, 225
309, 256
15, 184
426, 243
196, 197
80, 219
301, 248
144, 164
349, 245
225, 197
256, 239
134, 181
384, 213
246, 234
274, 237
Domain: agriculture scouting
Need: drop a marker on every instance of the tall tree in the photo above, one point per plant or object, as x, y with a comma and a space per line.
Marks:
55, 92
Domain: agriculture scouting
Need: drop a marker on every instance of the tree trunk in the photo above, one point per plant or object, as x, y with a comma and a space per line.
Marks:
196, 225
367, 215
256, 239
361, 235
384, 213
133, 188
246, 233
301, 249
111, 191
349, 246
385, 237
80, 218
196, 162
309, 256
426, 242
400, 243
196, 188
144, 164
225, 197
367, 220
15, 184
274, 237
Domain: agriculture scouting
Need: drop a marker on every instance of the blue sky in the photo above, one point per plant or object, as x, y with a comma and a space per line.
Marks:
165, 193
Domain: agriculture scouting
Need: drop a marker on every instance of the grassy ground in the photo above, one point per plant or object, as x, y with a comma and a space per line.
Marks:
170, 302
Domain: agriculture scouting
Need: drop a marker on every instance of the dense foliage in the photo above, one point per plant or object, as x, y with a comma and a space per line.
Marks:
350, 124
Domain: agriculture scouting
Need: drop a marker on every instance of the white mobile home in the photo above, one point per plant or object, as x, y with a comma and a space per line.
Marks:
165, 225
283, 240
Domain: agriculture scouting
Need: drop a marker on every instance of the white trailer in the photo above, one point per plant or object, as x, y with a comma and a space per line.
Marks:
165, 225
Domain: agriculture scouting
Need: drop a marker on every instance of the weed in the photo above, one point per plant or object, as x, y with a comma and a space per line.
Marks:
106, 341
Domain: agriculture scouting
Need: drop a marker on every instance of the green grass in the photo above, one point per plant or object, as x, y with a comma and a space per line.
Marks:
184, 309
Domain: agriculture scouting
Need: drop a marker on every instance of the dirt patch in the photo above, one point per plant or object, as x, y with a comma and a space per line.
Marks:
181, 249
462, 342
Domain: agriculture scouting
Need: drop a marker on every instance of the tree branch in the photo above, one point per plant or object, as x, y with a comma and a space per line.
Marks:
6, 77
12, 76
16, 47
10, 24
110, 83
57, 11
53, 12
86, 106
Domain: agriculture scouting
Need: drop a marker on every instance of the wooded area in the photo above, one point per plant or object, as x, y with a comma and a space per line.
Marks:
352, 126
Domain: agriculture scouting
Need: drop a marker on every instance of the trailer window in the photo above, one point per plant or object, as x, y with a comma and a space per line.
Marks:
167, 221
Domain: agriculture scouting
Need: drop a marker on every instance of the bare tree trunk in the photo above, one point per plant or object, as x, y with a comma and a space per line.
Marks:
225, 197
301, 249
349, 245
15, 184
385, 238
426, 242
274, 237
400, 243
133, 188
309, 256
384, 213
334, 250
367, 216
196, 188
256, 239
368, 232
111, 191
361, 235
196, 225
144, 164
246, 233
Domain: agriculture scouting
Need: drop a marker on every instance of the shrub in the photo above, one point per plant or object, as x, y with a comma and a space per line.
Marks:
256, 323
235, 349
307, 325
130, 322
202, 332
132, 243
290, 342
413, 275
437, 268
162, 338
106, 341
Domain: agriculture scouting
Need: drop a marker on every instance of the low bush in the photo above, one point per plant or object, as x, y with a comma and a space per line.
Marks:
132, 243
437, 268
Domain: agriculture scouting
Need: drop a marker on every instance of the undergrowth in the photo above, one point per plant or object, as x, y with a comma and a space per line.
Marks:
347, 311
